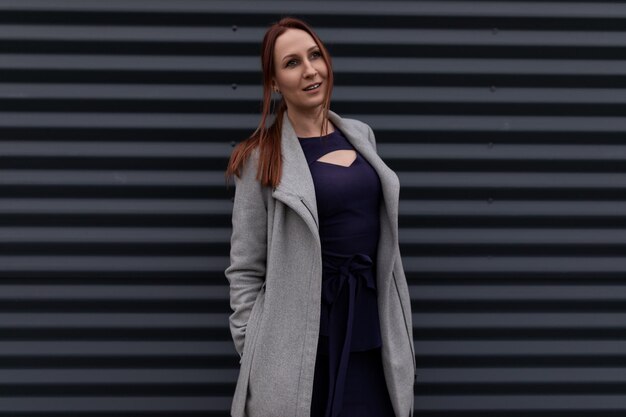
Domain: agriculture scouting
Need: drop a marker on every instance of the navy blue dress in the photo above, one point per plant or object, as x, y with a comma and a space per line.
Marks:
349, 379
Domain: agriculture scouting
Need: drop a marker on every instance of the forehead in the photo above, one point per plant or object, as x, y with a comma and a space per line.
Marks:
292, 41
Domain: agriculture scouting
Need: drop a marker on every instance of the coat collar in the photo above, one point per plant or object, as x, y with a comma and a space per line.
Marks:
296, 180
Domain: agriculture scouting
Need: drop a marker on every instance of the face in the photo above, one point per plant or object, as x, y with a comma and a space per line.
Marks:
298, 63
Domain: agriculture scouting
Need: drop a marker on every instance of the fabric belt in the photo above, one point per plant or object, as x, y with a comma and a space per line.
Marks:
345, 276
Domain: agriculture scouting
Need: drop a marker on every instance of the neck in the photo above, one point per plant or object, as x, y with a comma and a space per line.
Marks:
309, 123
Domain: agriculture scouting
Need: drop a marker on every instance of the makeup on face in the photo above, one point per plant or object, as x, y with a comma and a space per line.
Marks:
300, 69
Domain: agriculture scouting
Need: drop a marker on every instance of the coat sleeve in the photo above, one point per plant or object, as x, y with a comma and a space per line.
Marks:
248, 249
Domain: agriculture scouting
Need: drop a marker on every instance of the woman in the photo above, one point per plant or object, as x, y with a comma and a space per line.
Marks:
321, 309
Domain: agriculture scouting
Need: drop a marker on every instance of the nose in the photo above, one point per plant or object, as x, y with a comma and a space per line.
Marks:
309, 70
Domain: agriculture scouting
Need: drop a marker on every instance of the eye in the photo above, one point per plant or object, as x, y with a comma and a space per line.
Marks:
315, 54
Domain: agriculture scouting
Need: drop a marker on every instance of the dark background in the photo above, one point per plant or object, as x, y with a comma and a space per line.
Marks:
503, 119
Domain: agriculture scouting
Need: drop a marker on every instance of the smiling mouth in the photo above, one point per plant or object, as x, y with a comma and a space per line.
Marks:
315, 87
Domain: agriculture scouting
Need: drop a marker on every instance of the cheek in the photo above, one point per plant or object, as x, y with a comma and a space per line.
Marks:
322, 68
292, 81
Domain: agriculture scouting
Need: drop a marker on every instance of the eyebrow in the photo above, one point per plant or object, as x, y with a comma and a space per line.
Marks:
290, 55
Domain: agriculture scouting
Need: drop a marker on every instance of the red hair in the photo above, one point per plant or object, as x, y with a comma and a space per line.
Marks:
268, 140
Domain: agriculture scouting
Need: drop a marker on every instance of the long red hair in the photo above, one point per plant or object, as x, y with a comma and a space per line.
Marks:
268, 139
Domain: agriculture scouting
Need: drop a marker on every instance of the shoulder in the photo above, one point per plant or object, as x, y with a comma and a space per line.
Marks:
356, 124
249, 156
248, 188
246, 177
363, 128
252, 162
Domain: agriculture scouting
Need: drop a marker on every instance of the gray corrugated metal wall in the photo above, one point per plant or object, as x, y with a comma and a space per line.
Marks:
504, 120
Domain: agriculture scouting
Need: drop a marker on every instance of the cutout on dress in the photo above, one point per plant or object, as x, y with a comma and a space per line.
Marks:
343, 157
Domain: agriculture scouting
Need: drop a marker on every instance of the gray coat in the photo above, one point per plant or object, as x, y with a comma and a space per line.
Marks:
275, 277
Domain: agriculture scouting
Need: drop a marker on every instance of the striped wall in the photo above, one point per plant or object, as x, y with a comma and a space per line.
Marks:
503, 119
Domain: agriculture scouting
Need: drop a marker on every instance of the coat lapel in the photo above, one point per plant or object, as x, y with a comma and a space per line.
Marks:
296, 188
297, 183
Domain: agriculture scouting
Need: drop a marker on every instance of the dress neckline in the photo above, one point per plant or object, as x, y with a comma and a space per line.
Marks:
318, 137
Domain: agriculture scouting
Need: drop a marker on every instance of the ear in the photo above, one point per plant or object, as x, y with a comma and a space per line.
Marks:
274, 87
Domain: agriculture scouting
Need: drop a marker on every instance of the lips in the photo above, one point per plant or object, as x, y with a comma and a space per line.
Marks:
305, 88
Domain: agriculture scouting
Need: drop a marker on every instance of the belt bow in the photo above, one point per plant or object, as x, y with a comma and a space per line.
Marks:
341, 272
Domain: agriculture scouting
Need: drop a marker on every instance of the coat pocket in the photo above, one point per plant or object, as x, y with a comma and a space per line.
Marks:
251, 327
